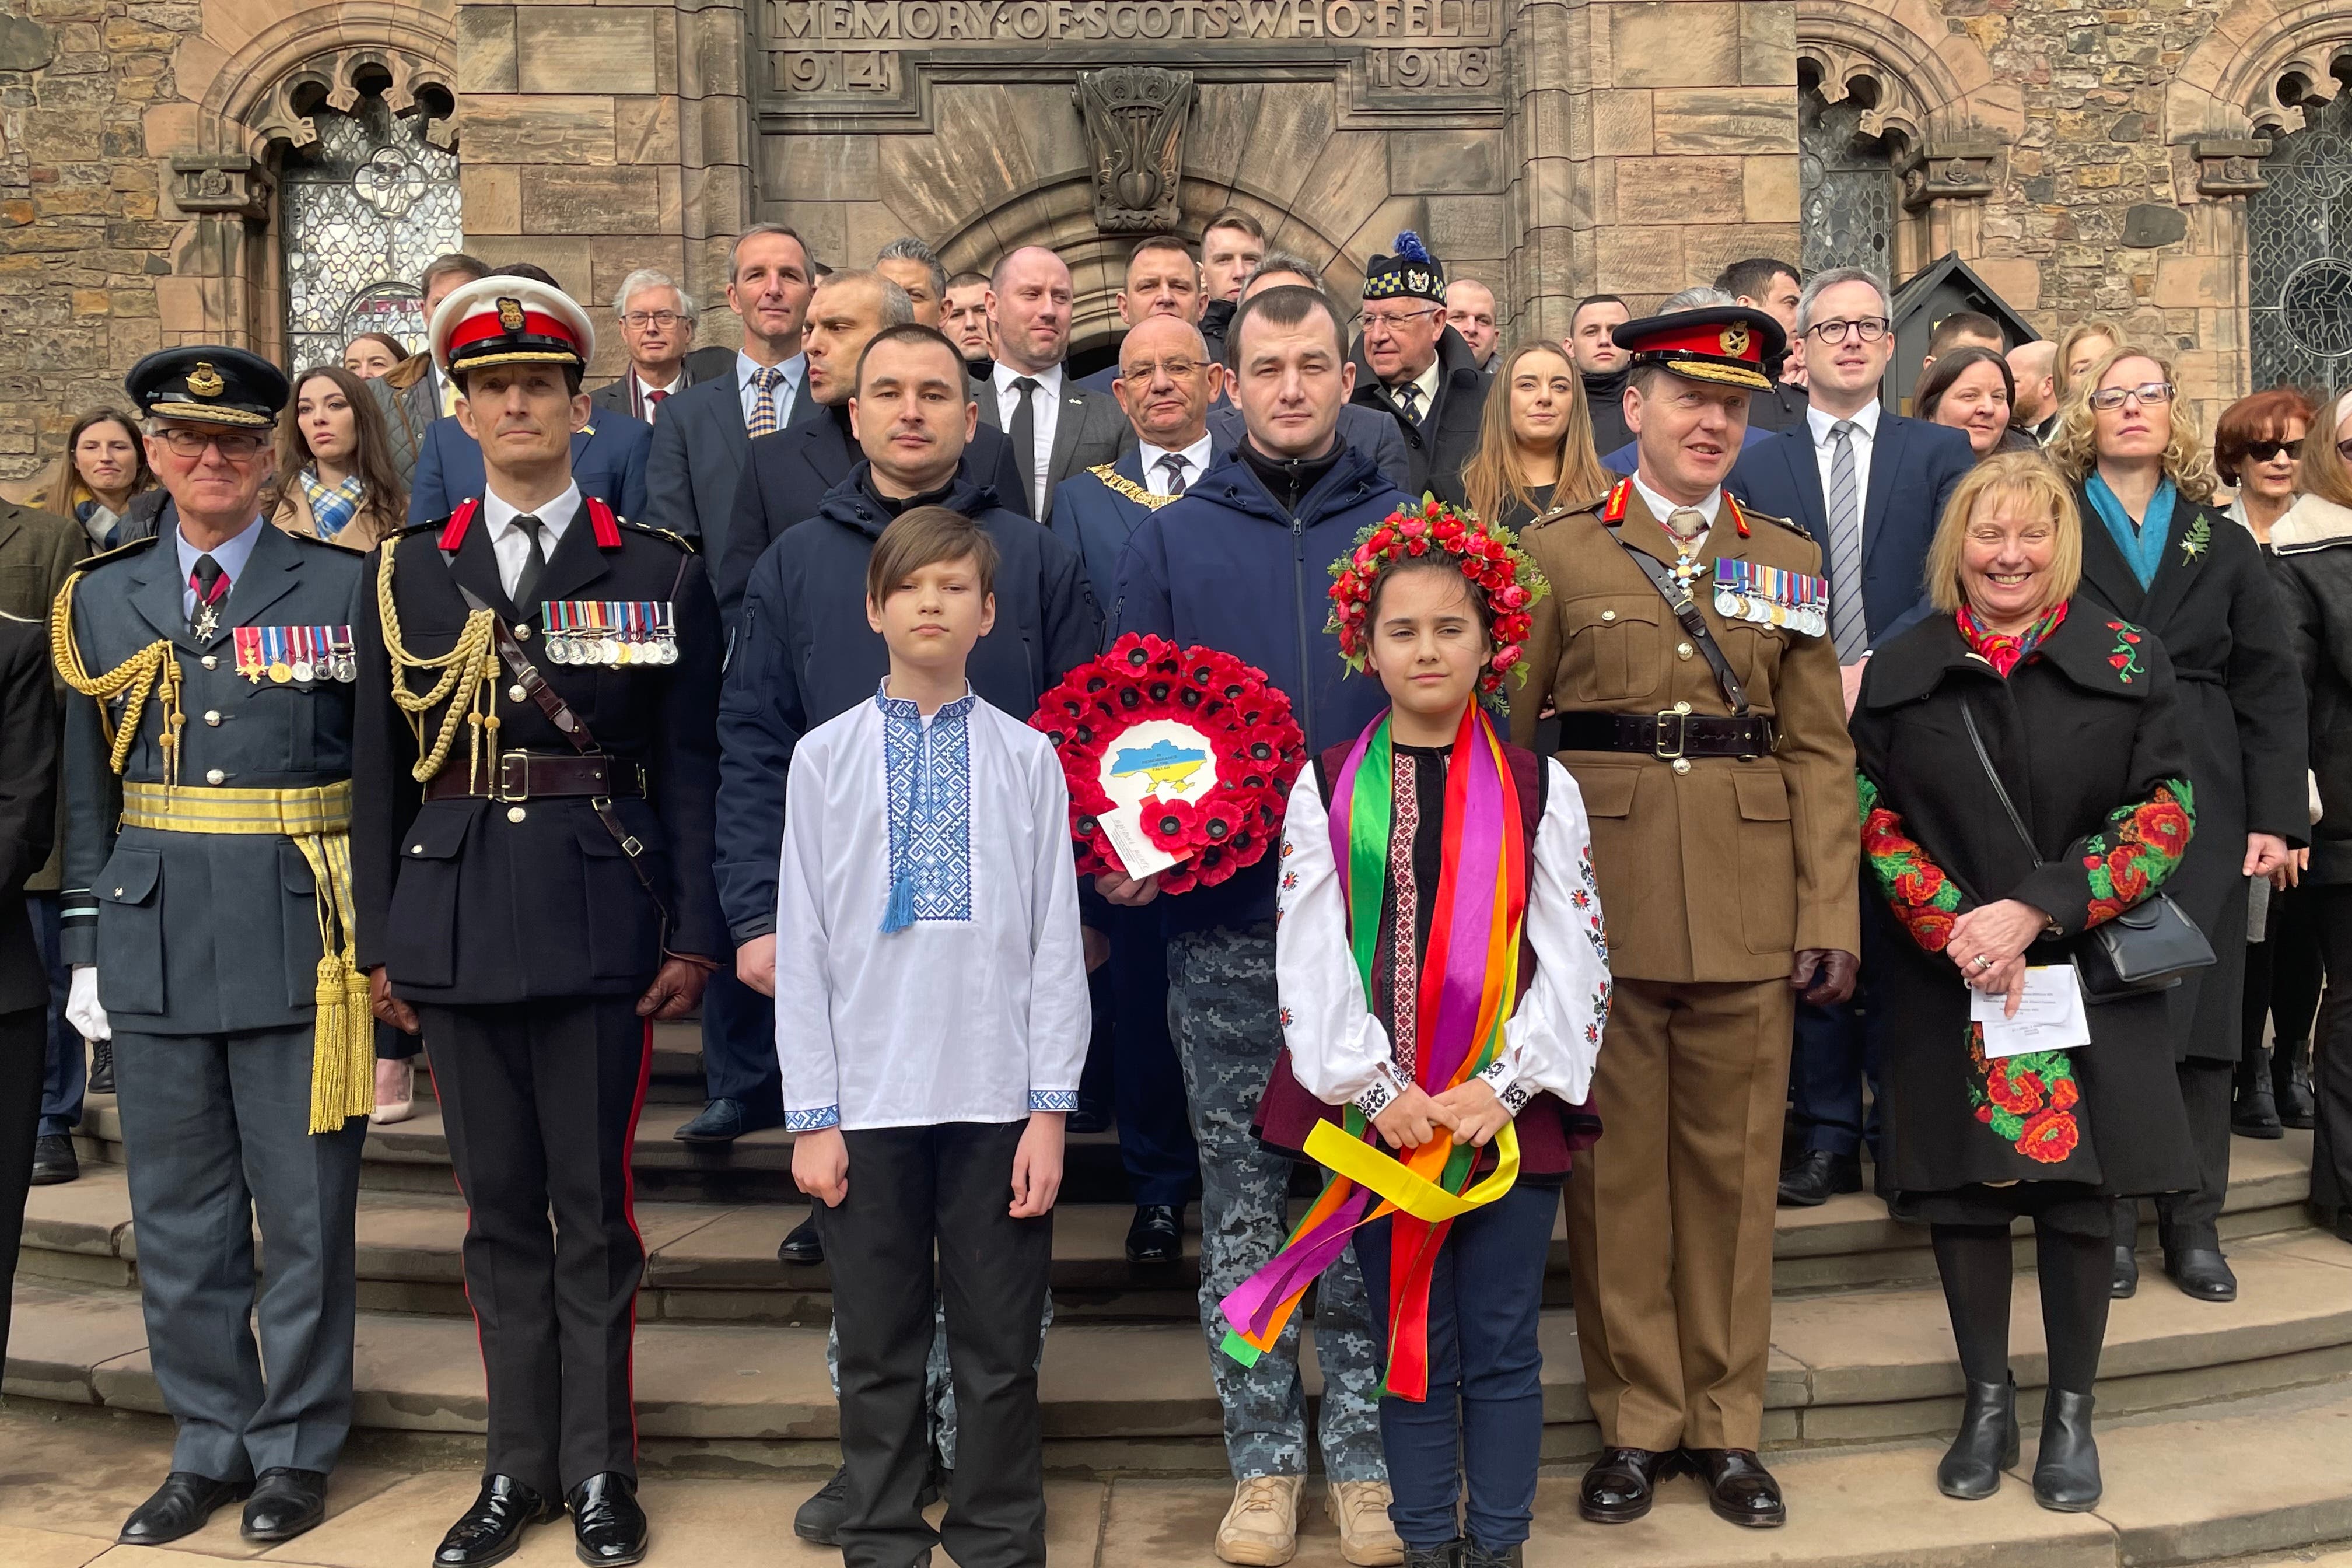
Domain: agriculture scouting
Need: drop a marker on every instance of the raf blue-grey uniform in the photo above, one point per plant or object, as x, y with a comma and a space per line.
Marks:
207, 949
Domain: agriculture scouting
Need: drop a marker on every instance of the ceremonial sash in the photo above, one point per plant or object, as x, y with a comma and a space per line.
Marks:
1469, 984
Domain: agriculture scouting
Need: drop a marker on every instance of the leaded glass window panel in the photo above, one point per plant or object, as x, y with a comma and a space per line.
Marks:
2299, 253
361, 211
1846, 188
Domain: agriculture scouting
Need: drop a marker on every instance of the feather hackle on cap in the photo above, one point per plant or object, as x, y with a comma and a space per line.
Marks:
1409, 247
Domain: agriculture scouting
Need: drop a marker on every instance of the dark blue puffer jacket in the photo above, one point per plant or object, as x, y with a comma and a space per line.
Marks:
1229, 568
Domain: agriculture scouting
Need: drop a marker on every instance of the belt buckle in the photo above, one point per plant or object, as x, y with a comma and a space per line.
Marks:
510, 764
1658, 742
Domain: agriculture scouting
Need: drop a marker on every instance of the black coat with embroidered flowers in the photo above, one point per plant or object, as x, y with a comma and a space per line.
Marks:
2085, 734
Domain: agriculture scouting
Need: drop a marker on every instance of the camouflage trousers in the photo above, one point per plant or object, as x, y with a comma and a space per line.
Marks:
1225, 1018
939, 1384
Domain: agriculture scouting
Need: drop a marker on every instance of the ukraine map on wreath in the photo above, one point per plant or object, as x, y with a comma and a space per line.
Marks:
1167, 764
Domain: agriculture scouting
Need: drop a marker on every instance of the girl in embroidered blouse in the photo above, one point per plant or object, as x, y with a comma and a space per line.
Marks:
1443, 980
2078, 712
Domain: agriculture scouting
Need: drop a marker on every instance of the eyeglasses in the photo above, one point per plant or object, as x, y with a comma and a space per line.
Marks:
1868, 330
236, 446
2264, 451
1390, 323
2153, 395
1173, 369
640, 320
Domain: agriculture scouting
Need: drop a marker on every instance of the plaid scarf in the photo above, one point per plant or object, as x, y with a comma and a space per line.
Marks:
332, 510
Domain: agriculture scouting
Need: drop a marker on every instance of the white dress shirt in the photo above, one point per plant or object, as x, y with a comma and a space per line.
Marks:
1865, 437
1662, 509
1044, 410
975, 1011
513, 544
230, 555
1196, 463
641, 391
1340, 1051
787, 391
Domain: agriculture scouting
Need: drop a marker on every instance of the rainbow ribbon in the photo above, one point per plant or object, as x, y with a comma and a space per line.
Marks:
1469, 982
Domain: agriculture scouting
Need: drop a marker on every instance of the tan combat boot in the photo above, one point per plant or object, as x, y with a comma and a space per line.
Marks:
1360, 1510
1261, 1530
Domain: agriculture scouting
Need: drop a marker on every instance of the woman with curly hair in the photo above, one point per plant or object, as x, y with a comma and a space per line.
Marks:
2080, 717
2158, 557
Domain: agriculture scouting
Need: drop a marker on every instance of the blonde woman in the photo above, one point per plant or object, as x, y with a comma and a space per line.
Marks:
2086, 343
2160, 560
1535, 449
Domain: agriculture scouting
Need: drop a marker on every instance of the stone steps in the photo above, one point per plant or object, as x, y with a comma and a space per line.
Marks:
715, 1262
1860, 1366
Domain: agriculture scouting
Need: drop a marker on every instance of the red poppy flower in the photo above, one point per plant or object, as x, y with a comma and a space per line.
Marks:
1170, 825
1918, 881
2126, 872
1931, 928
2064, 1095
2164, 822
2017, 1098
2049, 1137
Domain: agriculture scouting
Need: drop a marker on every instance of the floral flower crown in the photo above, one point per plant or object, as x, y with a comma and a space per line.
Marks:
1486, 556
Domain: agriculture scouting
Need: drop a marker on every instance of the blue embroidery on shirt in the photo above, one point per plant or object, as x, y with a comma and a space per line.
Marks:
928, 768
1053, 1099
812, 1121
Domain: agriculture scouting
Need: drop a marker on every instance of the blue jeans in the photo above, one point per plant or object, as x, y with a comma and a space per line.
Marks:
68, 1073
1484, 1410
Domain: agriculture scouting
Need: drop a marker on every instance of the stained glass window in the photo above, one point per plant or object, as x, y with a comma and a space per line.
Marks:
2299, 253
1845, 182
362, 210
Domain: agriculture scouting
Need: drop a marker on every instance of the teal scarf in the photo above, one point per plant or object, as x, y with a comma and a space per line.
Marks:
2143, 547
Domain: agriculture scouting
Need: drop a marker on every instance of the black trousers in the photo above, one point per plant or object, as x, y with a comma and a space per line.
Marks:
2189, 1220
2285, 971
910, 1189
540, 1100
24, 1066
2331, 1056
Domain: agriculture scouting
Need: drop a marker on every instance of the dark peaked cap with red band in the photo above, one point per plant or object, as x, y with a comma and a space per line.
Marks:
1726, 344
509, 320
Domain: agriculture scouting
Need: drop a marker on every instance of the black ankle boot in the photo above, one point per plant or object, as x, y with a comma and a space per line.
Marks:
2253, 1105
2066, 1470
2126, 1220
2291, 1086
1987, 1443
1447, 1556
1476, 1556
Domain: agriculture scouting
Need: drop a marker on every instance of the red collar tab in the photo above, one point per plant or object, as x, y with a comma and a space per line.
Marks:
1738, 517
453, 532
1614, 512
608, 526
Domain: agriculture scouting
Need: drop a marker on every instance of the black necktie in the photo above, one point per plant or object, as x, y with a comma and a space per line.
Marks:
209, 582
1022, 432
534, 564
1173, 465
1408, 399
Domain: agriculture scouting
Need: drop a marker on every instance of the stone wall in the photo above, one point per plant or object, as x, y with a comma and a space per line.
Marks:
81, 240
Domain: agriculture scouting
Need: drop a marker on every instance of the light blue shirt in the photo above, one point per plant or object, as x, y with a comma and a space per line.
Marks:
231, 556
787, 391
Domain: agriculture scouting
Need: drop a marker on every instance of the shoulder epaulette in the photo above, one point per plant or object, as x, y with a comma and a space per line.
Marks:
118, 552
1754, 516
430, 525
681, 541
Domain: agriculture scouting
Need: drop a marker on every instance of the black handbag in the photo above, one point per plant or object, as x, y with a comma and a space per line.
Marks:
2147, 948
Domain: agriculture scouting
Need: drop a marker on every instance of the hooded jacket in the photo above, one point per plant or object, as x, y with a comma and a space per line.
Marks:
1230, 568
804, 654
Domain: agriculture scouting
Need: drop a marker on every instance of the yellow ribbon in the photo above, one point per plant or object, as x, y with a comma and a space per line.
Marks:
1406, 1190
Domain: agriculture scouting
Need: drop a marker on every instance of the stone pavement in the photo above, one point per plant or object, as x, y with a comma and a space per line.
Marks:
2225, 1482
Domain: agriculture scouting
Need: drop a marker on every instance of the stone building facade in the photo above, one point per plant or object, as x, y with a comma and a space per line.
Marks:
2174, 162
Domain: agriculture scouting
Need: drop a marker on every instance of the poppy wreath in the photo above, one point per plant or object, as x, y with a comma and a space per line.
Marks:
1259, 750
1487, 556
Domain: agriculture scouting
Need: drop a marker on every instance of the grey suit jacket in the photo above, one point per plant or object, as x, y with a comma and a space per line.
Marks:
203, 934
699, 445
1092, 429
612, 397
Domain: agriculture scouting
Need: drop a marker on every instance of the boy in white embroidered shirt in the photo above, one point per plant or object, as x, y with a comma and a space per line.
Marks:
931, 1019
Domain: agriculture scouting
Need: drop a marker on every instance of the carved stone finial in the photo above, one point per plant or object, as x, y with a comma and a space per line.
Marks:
1134, 118
2229, 168
229, 184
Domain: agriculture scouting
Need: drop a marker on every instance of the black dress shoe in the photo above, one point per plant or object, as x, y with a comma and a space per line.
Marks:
819, 1518
2291, 1087
608, 1528
2201, 1272
180, 1507
489, 1532
53, 1160
2066, 1470
2254, 1100
2124, 1284
1739, 1486
723, 1120
1819, 1177
804, 1245
284, 1503
1156, 1236
1987, 1444
101, 1068
1622, 1484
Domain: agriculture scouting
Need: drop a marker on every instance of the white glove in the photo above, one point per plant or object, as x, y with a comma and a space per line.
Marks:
82, 1010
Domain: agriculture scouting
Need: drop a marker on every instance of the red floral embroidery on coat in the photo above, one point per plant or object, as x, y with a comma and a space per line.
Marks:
2029, 1101
1922, 896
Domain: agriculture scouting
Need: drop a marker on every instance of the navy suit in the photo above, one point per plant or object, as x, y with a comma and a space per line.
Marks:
1913, 466
608, 461
1154, 1141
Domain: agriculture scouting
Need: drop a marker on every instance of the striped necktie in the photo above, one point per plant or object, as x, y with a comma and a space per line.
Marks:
763, 421
1847, 628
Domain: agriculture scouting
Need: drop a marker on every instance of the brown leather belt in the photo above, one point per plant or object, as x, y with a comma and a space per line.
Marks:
1667, 734
527, 775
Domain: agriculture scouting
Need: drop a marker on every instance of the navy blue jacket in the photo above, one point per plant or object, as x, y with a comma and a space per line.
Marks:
1914, 465
1227, 567
1097, 520
608, 461
803, 653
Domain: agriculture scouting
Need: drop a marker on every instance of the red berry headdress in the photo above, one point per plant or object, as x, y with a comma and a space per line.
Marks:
1486, 556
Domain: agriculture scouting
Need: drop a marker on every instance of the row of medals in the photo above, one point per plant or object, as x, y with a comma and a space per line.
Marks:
1761, 611
303, 660
611, 650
